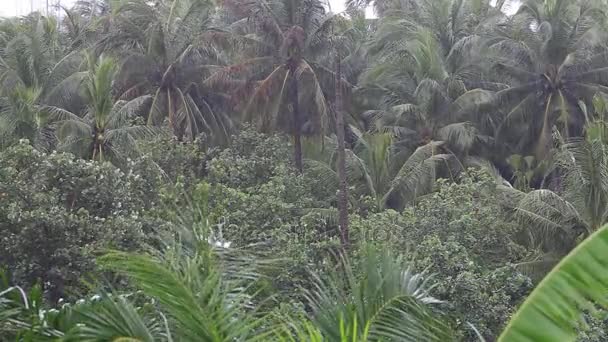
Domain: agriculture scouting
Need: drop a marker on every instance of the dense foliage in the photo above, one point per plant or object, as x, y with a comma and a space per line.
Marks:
191, 170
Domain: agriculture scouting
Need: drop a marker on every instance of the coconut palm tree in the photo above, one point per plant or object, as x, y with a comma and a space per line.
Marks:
32, 56
86, 21
449, 20
167, 49
30, 49
551, 54
290, 39
577, 206
559, 220
428, 73
19, 116
35, 70
105, 132
437, 108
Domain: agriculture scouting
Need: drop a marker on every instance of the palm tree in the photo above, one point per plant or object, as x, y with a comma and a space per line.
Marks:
378, 167
288, 94
449, 20
428, 73
167, 49
34, 70
105, 131
343, 195
86, 22
32, 56
562, 219
551, 54
559, 302
30, 49
19, 116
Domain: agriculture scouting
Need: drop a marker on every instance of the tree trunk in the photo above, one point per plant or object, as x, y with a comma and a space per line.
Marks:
95, 143
94, 154
297, 125
343, 192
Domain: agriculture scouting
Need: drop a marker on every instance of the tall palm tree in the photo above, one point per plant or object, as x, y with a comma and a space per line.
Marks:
35, 70
105, 131
167, 51
32, 56
449, 20
290, 38
340, 128
86, 21
436, 108
575, 204
552, 56
30, 49
428, 71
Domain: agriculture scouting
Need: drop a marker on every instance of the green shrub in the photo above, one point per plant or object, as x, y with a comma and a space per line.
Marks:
176, 159
462, 235
57, 211
257, 199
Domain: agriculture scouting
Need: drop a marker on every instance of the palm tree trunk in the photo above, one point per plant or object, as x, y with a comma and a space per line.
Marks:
94, 154
95, 144
343, 194
297, 125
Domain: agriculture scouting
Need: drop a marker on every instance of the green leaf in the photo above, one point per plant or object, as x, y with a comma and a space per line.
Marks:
554, 309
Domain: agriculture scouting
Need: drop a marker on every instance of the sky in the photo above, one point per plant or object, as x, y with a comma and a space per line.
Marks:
21, 7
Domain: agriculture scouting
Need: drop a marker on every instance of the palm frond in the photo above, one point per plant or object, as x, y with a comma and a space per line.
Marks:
576, 284
114, 318
417, 175
388, 302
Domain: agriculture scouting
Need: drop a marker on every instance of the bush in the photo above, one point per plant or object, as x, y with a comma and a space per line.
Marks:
463, 235
252, 159
258, 199
57, 211
176, 159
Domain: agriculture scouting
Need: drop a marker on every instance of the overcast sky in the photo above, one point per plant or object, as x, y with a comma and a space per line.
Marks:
21, 7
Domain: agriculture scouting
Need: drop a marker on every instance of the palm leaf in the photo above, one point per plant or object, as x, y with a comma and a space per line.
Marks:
389, 302
417, 175
267, 98
114, 319
554, 310
203, 305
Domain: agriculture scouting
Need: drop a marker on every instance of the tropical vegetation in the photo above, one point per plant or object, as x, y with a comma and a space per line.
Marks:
271, 170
